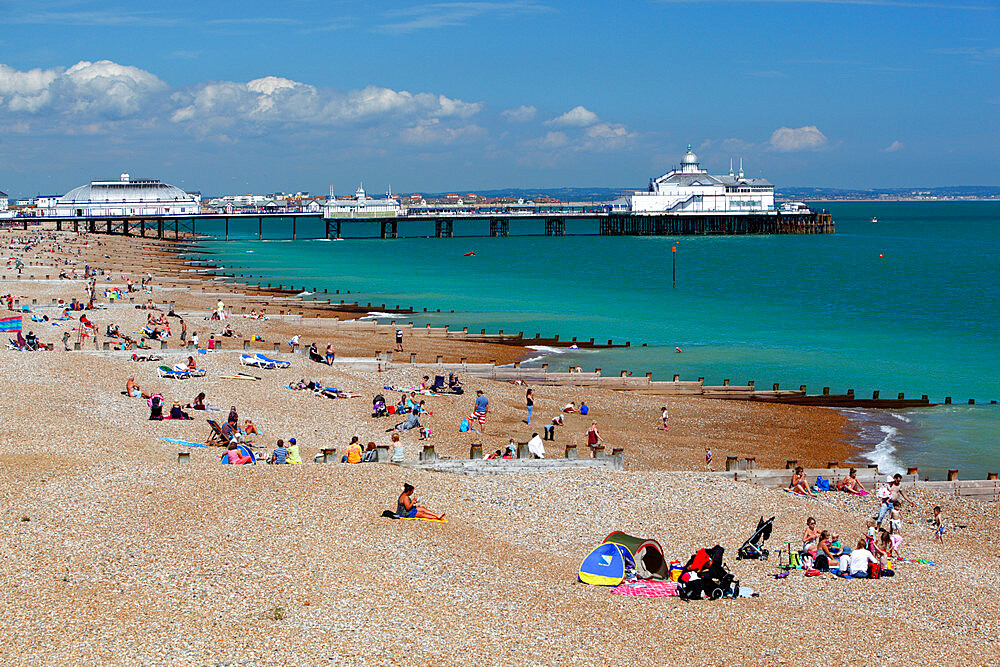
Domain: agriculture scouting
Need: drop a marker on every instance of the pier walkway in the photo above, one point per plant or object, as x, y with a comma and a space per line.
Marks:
315, 226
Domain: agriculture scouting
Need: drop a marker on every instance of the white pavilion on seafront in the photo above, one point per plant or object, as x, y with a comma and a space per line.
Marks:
692, 190
361, 206
124, 196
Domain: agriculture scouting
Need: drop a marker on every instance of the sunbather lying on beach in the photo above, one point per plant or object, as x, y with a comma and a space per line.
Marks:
407, 508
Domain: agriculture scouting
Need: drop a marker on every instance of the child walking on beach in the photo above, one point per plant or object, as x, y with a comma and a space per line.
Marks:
938, 525
665, 416
708, 457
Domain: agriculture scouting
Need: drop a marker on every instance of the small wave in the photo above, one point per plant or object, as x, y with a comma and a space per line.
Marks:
900, 417
377, 315
884, 453
547, 350
305, 293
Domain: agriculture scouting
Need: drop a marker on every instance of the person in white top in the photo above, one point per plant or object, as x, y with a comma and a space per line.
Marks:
859, 560
536, 447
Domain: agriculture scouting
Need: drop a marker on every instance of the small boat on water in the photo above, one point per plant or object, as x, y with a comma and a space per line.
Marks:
874, 219
471, 253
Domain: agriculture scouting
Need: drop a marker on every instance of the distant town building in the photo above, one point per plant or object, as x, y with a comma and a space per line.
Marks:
4, 201
362, 206
692, 190
125, 197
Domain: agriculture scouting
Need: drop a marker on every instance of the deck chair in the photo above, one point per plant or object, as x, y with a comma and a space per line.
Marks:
167, 372
273, 363
247, 360
216, 436
438, 386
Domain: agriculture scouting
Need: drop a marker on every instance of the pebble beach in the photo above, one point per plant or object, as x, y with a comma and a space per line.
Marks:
114, 552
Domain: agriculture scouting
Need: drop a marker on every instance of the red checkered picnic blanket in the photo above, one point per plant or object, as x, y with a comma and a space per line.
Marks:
647, 589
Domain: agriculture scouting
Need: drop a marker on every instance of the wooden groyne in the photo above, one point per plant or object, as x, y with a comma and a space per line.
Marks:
743, 470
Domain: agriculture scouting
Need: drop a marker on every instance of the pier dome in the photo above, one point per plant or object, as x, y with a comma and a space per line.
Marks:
126, 196
689, 163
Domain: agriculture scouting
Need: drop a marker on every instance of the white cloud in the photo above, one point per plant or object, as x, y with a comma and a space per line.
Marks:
806, 138
431, 131
578, 116
521, 114
103, 89
894, 146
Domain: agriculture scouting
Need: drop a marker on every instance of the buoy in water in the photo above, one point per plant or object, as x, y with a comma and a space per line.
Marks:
880, 254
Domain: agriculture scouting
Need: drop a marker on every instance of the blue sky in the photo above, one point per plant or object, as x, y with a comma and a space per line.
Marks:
429, 96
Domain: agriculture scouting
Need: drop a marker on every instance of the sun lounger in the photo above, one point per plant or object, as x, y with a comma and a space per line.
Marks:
275, 364
167, 372
196, 373
247, 360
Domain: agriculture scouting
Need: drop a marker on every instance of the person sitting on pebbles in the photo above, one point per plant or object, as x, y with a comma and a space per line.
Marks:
407, 508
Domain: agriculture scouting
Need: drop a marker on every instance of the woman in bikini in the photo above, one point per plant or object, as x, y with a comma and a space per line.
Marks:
406, 506
800, 483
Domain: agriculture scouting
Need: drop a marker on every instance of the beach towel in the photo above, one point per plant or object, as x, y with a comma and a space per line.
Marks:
10, 324
647, 589
183, 442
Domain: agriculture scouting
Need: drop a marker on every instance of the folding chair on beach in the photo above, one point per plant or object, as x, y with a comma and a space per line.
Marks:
216, 436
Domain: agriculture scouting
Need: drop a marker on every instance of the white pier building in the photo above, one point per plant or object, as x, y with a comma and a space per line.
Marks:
124, 197
691, 190
361, 206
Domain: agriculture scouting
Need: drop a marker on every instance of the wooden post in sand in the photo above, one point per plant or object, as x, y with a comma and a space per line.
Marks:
571, 451
599, 452
183, 457
277, 347
991, 476
330, 455
791, 463
382, 454
731, 463
522, 451
428, 454
413, 357
750, 462
476, 450
952, 475
912, 470
246, 345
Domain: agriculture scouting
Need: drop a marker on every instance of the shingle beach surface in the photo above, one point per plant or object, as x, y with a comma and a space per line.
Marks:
114, 553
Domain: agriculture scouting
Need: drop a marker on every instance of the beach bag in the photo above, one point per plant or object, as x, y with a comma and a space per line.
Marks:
822, 484
874, 570
793, 559
463, 427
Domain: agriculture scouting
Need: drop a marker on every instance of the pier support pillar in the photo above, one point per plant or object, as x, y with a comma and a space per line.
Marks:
555, 227
444, 229
58, 225
388, 229
499, 227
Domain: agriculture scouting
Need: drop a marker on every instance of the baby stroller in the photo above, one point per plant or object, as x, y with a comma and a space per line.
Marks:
454, 385
706, 573
754, 546
378, 406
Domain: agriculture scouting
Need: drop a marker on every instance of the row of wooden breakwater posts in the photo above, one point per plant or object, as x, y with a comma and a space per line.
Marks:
745, 470
625, 381
476, 464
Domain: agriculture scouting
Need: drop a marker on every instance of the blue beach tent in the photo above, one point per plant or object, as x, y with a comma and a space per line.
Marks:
605, 566
244, 451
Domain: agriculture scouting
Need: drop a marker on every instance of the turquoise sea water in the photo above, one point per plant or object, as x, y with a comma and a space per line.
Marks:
909, 304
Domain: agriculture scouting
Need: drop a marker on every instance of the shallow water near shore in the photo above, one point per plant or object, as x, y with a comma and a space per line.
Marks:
908, 304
